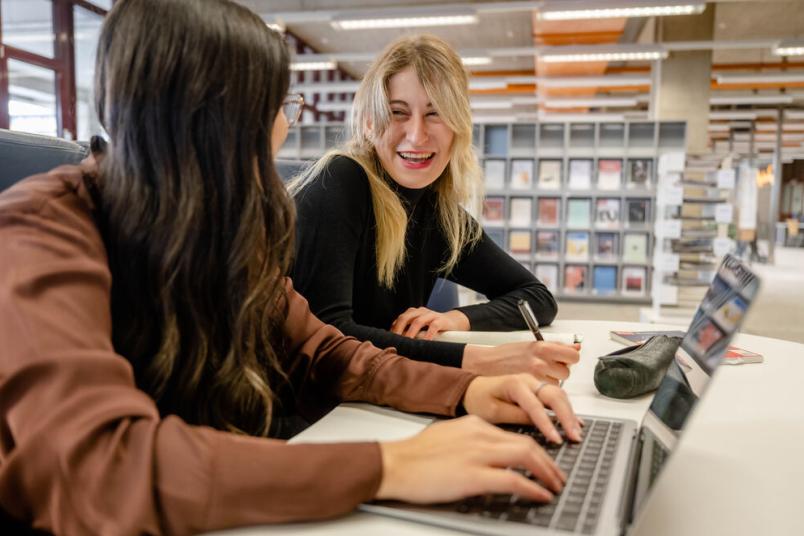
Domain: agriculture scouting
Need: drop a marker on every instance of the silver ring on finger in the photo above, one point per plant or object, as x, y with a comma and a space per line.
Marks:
539, 388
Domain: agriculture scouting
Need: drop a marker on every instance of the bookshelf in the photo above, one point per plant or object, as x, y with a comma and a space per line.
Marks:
574, 202
696, 206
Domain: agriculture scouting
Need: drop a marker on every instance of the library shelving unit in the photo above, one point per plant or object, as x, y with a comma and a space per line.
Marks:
688, 253
310, 141
574, 202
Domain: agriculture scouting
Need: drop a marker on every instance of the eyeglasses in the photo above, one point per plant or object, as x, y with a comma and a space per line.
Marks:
292, 108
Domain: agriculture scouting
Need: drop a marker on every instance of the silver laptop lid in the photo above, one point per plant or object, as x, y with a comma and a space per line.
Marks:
717, 320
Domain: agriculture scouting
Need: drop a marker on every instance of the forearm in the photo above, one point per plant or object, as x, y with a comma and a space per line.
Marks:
501, 313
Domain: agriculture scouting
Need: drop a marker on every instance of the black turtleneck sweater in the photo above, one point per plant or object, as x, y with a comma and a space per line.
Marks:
336, 270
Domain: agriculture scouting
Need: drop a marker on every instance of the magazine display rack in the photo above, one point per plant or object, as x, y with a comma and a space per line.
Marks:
575, 202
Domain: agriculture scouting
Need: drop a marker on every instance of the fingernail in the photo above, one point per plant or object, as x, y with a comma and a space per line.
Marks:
556, 437
577, 432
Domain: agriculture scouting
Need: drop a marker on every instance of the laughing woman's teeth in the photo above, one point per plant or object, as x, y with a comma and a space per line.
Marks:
416, 157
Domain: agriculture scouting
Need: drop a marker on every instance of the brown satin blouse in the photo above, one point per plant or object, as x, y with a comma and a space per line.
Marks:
83, 451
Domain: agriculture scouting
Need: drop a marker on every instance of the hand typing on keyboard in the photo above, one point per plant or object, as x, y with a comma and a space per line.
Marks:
467, 456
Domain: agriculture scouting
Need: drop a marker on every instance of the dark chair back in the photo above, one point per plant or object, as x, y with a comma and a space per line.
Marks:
23, 155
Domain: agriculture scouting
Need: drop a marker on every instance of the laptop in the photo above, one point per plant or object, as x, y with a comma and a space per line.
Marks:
611, 472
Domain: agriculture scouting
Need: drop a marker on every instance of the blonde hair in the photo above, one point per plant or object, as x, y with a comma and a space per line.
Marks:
441, 73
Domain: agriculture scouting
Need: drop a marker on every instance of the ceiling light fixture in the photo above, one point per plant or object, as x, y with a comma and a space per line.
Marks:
573, 53
491, 104
789, 48
405, 19
313, 66
594, 102
476, 60
559, 10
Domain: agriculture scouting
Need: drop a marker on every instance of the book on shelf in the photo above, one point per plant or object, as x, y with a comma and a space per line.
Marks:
494, 210
732, 356
633, 281
639, 173
604, 280
578, 212
548, 274
521, 174
519, 242
497, 236
609, 174
607, 213
580, 174
547, 243
607, 245
549, 174
699, 228
698, 210
548, 208
637, 212
575, 278
635, 247
494, 172
692, 245
521, 211
577, 245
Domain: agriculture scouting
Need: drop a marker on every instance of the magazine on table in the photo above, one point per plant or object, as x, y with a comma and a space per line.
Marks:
733, 355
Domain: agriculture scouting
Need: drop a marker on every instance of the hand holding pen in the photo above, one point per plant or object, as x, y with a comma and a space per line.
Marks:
533, 324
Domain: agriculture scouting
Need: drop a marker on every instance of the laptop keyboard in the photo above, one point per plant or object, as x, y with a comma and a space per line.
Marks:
577, 509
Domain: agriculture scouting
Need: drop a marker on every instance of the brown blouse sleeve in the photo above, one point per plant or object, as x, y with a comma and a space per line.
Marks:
82, 450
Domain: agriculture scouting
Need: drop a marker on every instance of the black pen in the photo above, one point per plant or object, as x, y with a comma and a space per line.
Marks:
530, 319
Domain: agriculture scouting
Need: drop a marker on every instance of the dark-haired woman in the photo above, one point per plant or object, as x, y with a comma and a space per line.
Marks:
151, 343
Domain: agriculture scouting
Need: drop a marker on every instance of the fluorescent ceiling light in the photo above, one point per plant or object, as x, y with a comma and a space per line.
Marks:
479, 83
572, 53
620, 9
491, 104
789, 48
593, 102
476, 60
752, 99
313, 66
493, 118
759, 78
410, 18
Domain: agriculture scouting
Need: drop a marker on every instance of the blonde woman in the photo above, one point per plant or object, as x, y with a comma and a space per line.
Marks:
380, 218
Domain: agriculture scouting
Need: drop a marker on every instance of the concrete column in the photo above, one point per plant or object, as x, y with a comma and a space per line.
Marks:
681, 88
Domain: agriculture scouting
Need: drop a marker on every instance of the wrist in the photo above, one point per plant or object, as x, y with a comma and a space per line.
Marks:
390, 453
474, 356
460, 322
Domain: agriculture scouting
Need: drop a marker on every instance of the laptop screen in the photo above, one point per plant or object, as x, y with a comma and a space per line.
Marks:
715, 323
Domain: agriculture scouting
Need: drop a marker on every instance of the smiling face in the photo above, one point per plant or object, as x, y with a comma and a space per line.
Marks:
415, 148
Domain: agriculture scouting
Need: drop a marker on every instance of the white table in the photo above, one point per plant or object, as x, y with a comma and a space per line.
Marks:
738, 469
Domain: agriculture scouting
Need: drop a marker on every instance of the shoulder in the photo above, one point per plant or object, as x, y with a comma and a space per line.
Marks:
342, 182
56, 202
59, 190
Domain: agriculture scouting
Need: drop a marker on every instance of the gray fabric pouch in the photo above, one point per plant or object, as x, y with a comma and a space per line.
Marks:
635, 370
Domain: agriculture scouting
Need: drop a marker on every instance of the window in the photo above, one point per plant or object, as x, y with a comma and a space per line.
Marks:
47, 85
32, 98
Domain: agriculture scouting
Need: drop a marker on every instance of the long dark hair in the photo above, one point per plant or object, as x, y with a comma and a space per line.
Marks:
197, 224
